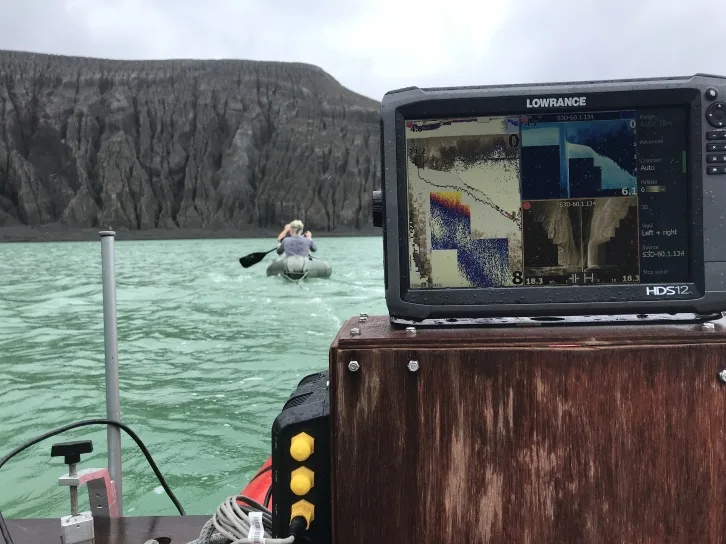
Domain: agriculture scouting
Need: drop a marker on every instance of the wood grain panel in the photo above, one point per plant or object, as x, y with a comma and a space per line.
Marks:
595, 442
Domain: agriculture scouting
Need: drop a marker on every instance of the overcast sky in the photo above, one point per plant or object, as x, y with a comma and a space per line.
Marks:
371, 48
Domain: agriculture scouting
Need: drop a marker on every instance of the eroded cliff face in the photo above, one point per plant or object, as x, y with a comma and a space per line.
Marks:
189, 144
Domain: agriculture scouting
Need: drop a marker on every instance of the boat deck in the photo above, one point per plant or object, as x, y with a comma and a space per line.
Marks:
126, 530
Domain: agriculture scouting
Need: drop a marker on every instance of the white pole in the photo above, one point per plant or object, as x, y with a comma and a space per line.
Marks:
110, 337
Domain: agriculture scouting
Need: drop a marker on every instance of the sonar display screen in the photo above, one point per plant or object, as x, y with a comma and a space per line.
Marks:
548, 199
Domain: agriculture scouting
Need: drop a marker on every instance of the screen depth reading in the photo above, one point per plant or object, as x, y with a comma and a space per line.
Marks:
590, 198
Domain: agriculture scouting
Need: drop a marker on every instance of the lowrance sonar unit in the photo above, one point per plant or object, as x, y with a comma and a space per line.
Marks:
565, 199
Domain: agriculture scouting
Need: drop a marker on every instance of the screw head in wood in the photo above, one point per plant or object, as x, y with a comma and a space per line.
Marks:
413, 366
353, 366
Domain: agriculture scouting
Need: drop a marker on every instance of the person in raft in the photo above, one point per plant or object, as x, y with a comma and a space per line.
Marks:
294, 242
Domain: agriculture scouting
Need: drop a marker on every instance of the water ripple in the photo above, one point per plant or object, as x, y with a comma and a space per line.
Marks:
208, 352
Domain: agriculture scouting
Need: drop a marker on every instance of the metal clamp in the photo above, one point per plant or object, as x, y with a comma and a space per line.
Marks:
78, 527
101, 490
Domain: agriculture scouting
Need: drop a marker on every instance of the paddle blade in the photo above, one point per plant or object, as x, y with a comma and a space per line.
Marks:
252, 258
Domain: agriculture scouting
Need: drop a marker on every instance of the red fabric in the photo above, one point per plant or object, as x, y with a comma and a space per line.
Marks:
257, 488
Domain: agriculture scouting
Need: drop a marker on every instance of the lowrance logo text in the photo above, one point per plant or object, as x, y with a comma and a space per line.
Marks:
571, 101
667, 290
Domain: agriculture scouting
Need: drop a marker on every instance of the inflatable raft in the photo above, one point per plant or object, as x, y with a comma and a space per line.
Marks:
295, 267
260, 486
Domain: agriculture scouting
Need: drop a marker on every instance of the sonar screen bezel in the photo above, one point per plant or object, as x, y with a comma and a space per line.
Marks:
706, 290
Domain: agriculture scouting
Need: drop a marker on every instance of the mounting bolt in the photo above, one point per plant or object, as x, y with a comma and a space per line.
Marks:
363, 318
355, 331
413, 366
353, 366
722, 376
411, 330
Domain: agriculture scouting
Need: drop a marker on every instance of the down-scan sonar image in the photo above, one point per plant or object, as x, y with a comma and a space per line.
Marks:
579, 159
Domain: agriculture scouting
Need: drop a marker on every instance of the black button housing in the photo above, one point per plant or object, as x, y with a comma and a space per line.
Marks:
716, 115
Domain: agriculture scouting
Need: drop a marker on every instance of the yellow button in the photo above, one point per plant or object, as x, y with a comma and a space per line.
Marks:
305, 509
302, 480
302, 446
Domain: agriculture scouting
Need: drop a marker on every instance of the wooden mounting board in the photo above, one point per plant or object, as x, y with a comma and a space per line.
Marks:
588, 434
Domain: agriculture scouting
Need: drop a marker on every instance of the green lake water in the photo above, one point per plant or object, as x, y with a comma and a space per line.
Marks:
208, 354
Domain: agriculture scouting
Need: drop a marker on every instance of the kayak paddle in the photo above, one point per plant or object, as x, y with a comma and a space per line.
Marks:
254, 258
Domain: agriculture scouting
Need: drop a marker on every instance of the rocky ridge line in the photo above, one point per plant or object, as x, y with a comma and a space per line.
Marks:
182, 144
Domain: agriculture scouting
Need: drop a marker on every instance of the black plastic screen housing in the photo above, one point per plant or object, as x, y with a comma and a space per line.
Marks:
704, 291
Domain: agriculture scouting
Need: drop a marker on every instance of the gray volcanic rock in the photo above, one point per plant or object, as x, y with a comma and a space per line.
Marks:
188, 144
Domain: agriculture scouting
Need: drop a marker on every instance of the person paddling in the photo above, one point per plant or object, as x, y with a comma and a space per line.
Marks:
290, 228
294, 242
